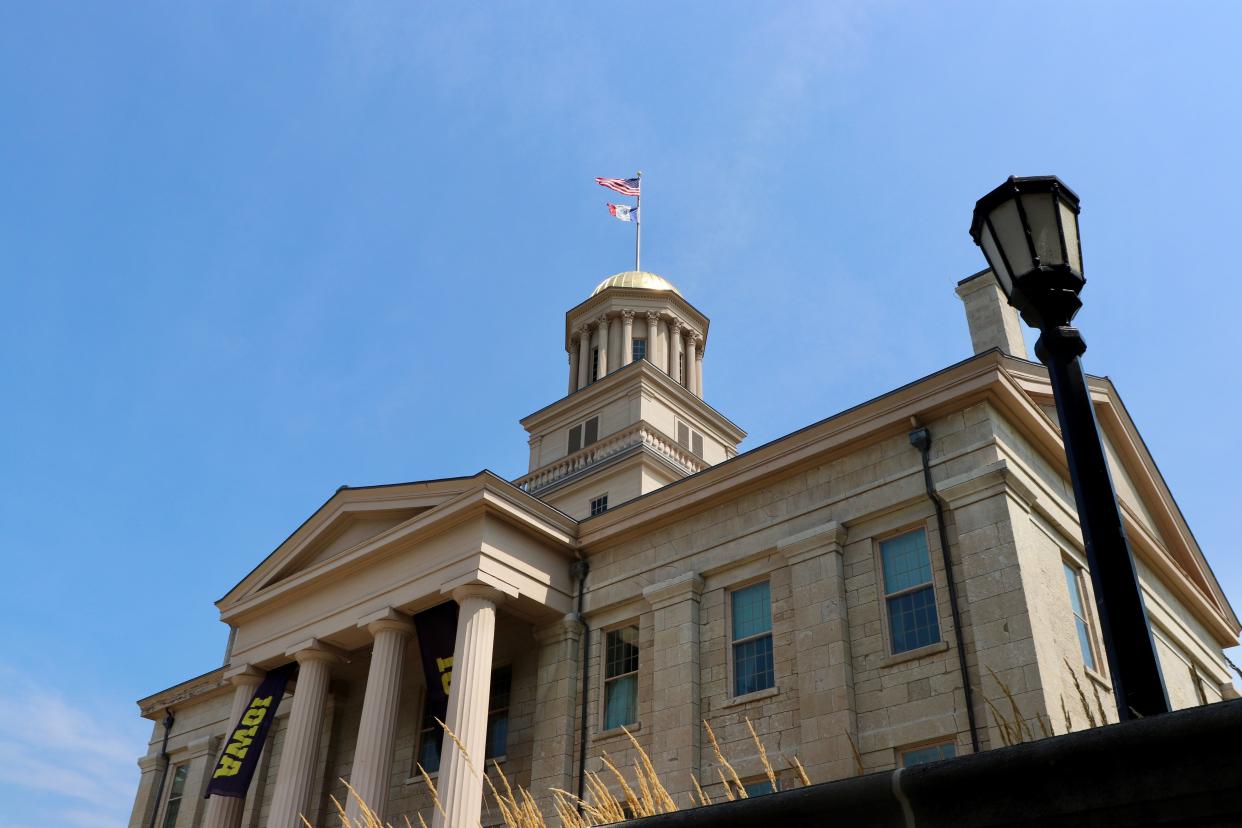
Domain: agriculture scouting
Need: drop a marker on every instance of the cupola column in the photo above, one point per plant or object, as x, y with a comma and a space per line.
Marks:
584, 356
674, 354
627, 337
653, 338
573, 368
698, 373
692, 370
603, 346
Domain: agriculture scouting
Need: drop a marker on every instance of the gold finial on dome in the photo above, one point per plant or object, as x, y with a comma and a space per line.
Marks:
640, 279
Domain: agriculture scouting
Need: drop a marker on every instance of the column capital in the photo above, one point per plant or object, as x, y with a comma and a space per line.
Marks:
387, 619
313, 649
688, 586
244, 675
653, 317
697, 338
698, 356
818, 540
627, 315
603, 320
676, 325
567, 628
477, 590
584, 333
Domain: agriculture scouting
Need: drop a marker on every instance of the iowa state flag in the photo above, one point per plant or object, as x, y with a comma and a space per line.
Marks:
624, 212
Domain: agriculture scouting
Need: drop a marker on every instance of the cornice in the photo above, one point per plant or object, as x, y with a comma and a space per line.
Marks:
586, 310
195, 690
622, 382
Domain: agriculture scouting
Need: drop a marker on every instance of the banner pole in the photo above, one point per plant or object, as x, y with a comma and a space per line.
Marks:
638, 225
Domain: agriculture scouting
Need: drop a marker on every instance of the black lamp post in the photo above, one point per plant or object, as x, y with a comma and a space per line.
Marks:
1028, 229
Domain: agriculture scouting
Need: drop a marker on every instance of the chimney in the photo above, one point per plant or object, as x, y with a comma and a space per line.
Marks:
993, 322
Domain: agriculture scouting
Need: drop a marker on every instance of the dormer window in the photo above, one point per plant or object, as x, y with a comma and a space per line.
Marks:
583, 434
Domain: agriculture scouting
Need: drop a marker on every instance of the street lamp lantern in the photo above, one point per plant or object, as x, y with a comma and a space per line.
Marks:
1028, 230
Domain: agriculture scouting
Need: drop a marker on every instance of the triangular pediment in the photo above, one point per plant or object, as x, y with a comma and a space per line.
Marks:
350, 518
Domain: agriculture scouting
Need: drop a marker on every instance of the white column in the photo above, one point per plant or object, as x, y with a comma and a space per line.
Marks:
674, 353
698, 373
584, 356
653, 338
603, 346
627, 337
226, 811
295, 778
377, 728
692, 346
460, 785
573, 368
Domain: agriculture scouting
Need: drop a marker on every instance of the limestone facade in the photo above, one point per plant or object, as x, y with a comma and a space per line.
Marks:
703, 565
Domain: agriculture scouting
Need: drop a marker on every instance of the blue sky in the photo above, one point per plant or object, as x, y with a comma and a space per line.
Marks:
254, 251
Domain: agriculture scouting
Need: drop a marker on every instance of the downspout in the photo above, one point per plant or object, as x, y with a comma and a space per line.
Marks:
920, 438
159, 791
579, 571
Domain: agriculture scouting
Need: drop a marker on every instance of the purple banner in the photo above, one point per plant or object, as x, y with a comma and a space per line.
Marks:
241, 752
437, 632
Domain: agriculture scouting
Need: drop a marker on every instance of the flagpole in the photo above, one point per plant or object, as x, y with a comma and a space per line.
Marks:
638, 225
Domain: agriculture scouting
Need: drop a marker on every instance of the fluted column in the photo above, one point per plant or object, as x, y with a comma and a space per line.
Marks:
627, 337
653, 338
226, 811
460, 784
377, 728
698, 373
584, 356
295, 778
603, 346
573, 368
692, 346
674, 355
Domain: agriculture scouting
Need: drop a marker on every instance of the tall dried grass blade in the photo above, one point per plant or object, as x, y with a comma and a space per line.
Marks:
1069, 725
660, 793
704, 799
465, 754
1001, 723
711, 735
763, 756
1082, 697
1099, 705
431, 786
630, 796
806, 780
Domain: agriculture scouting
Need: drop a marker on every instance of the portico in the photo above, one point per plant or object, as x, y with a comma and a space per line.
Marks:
350, 580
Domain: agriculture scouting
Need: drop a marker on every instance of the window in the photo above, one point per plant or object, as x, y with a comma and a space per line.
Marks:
498, 713
431, 735
752, 639
908, 593
758, 787
599, 505
930, 753
583, 434
1073, 583
639, 351
621, 677
175, 793
690, 439
594, 364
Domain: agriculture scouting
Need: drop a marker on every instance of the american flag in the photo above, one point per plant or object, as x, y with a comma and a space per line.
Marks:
624, 186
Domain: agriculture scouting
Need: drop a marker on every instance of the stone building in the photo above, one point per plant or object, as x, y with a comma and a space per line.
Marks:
802, 585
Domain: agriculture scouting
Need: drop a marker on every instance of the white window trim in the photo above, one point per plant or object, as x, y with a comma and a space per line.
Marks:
730, 642
941, 643
600, 731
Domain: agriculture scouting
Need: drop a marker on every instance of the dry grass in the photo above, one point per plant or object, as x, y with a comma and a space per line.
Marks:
645, 796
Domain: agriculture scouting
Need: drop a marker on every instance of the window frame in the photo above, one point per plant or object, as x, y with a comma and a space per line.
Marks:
635, 344
733, 643
949, 742
694, 437
1084, 599
424, 729
885, 597
603, 506
171, 806
604, 678
583, 442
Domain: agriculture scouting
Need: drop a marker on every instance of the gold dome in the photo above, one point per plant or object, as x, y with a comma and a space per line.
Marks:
640, 279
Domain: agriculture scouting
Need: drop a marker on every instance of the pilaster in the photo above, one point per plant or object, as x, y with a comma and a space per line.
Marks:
555, 706
822, 654
676, 728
